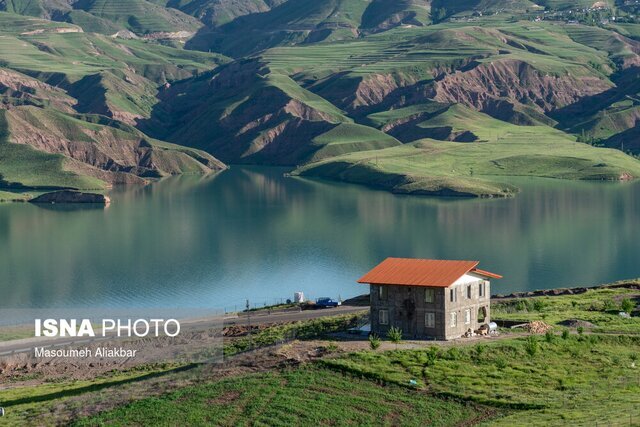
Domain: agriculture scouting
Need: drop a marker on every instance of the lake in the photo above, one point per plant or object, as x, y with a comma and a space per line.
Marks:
251, 233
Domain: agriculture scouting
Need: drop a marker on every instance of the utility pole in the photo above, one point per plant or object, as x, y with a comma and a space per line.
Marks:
249, 320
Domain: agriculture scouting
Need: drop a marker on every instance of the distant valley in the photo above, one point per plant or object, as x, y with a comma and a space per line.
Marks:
412, 96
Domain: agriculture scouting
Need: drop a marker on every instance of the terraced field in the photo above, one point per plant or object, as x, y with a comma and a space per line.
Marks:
325, 86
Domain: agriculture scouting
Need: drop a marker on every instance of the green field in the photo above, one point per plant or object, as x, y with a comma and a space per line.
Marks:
302, 396
554, 379
337, 86
475, 169
549, 379
601, 307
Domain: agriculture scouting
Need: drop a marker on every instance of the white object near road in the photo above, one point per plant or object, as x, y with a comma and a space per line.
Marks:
298, 297
1, 412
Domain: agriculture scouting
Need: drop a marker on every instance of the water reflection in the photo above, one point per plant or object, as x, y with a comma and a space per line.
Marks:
252, 233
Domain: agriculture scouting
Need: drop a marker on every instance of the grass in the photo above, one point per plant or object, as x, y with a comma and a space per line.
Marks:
80, 54
348, 137
549, 380
24, 166
476, 169
600, 306
298, 330
308, 395
25, 404
9, 196
555, 383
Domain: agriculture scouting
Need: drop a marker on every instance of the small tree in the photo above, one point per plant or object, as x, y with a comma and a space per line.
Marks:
565, 334
395, 335
580, 330
431, 355
531, 346
539, 304
627, 305
374, 341
549, 337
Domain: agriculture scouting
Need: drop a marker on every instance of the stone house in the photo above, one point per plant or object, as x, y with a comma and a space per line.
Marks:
429, 299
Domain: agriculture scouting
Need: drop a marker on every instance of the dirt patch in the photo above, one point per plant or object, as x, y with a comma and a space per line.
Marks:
568, 291
225, 398
575, 323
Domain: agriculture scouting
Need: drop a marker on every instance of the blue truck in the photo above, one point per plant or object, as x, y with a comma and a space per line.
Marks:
326, 302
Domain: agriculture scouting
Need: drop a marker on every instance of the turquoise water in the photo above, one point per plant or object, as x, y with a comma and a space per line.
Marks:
250, 233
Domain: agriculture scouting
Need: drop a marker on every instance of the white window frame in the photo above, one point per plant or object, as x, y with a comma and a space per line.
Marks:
469, 291
481, 288
454, 319
383, 317
430, 319
383, 293
453, 295
467, 316
429, 295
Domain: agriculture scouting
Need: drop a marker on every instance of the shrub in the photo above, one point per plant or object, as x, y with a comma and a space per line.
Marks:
431, 355
565, 334
580, 330
549, 337
374, 341
454, 353
531, 346
539, 304
627, 305
574, 304
332, 347
521, 305
395, 335
501, 363
610, 305
633, 357
480, 349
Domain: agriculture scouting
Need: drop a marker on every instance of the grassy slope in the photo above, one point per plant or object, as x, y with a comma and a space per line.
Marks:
347, 137
554, 379
108, 76
8, 196
546, 380
300, 21
557, 383
304, 396
22, 165
476, 169
80, 54
107, 16
600, 306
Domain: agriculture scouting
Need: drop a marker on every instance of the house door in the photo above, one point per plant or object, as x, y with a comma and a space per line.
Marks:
408, 320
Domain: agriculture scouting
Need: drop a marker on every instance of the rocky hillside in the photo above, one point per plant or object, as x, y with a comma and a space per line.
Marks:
117, 89
69, 101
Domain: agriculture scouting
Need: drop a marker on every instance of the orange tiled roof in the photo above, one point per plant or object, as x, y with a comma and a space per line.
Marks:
422, 272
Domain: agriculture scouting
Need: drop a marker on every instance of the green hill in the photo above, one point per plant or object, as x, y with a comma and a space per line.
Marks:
107, 16
219, 12
441, 168
68, 100
501, 87
44, 148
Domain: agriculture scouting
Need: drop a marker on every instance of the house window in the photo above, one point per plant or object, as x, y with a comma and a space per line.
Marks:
429, 295
454, 319
467, 316
482, 314
429, 320
468, 291
384, 317
481, 289
383, 292
452, 295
